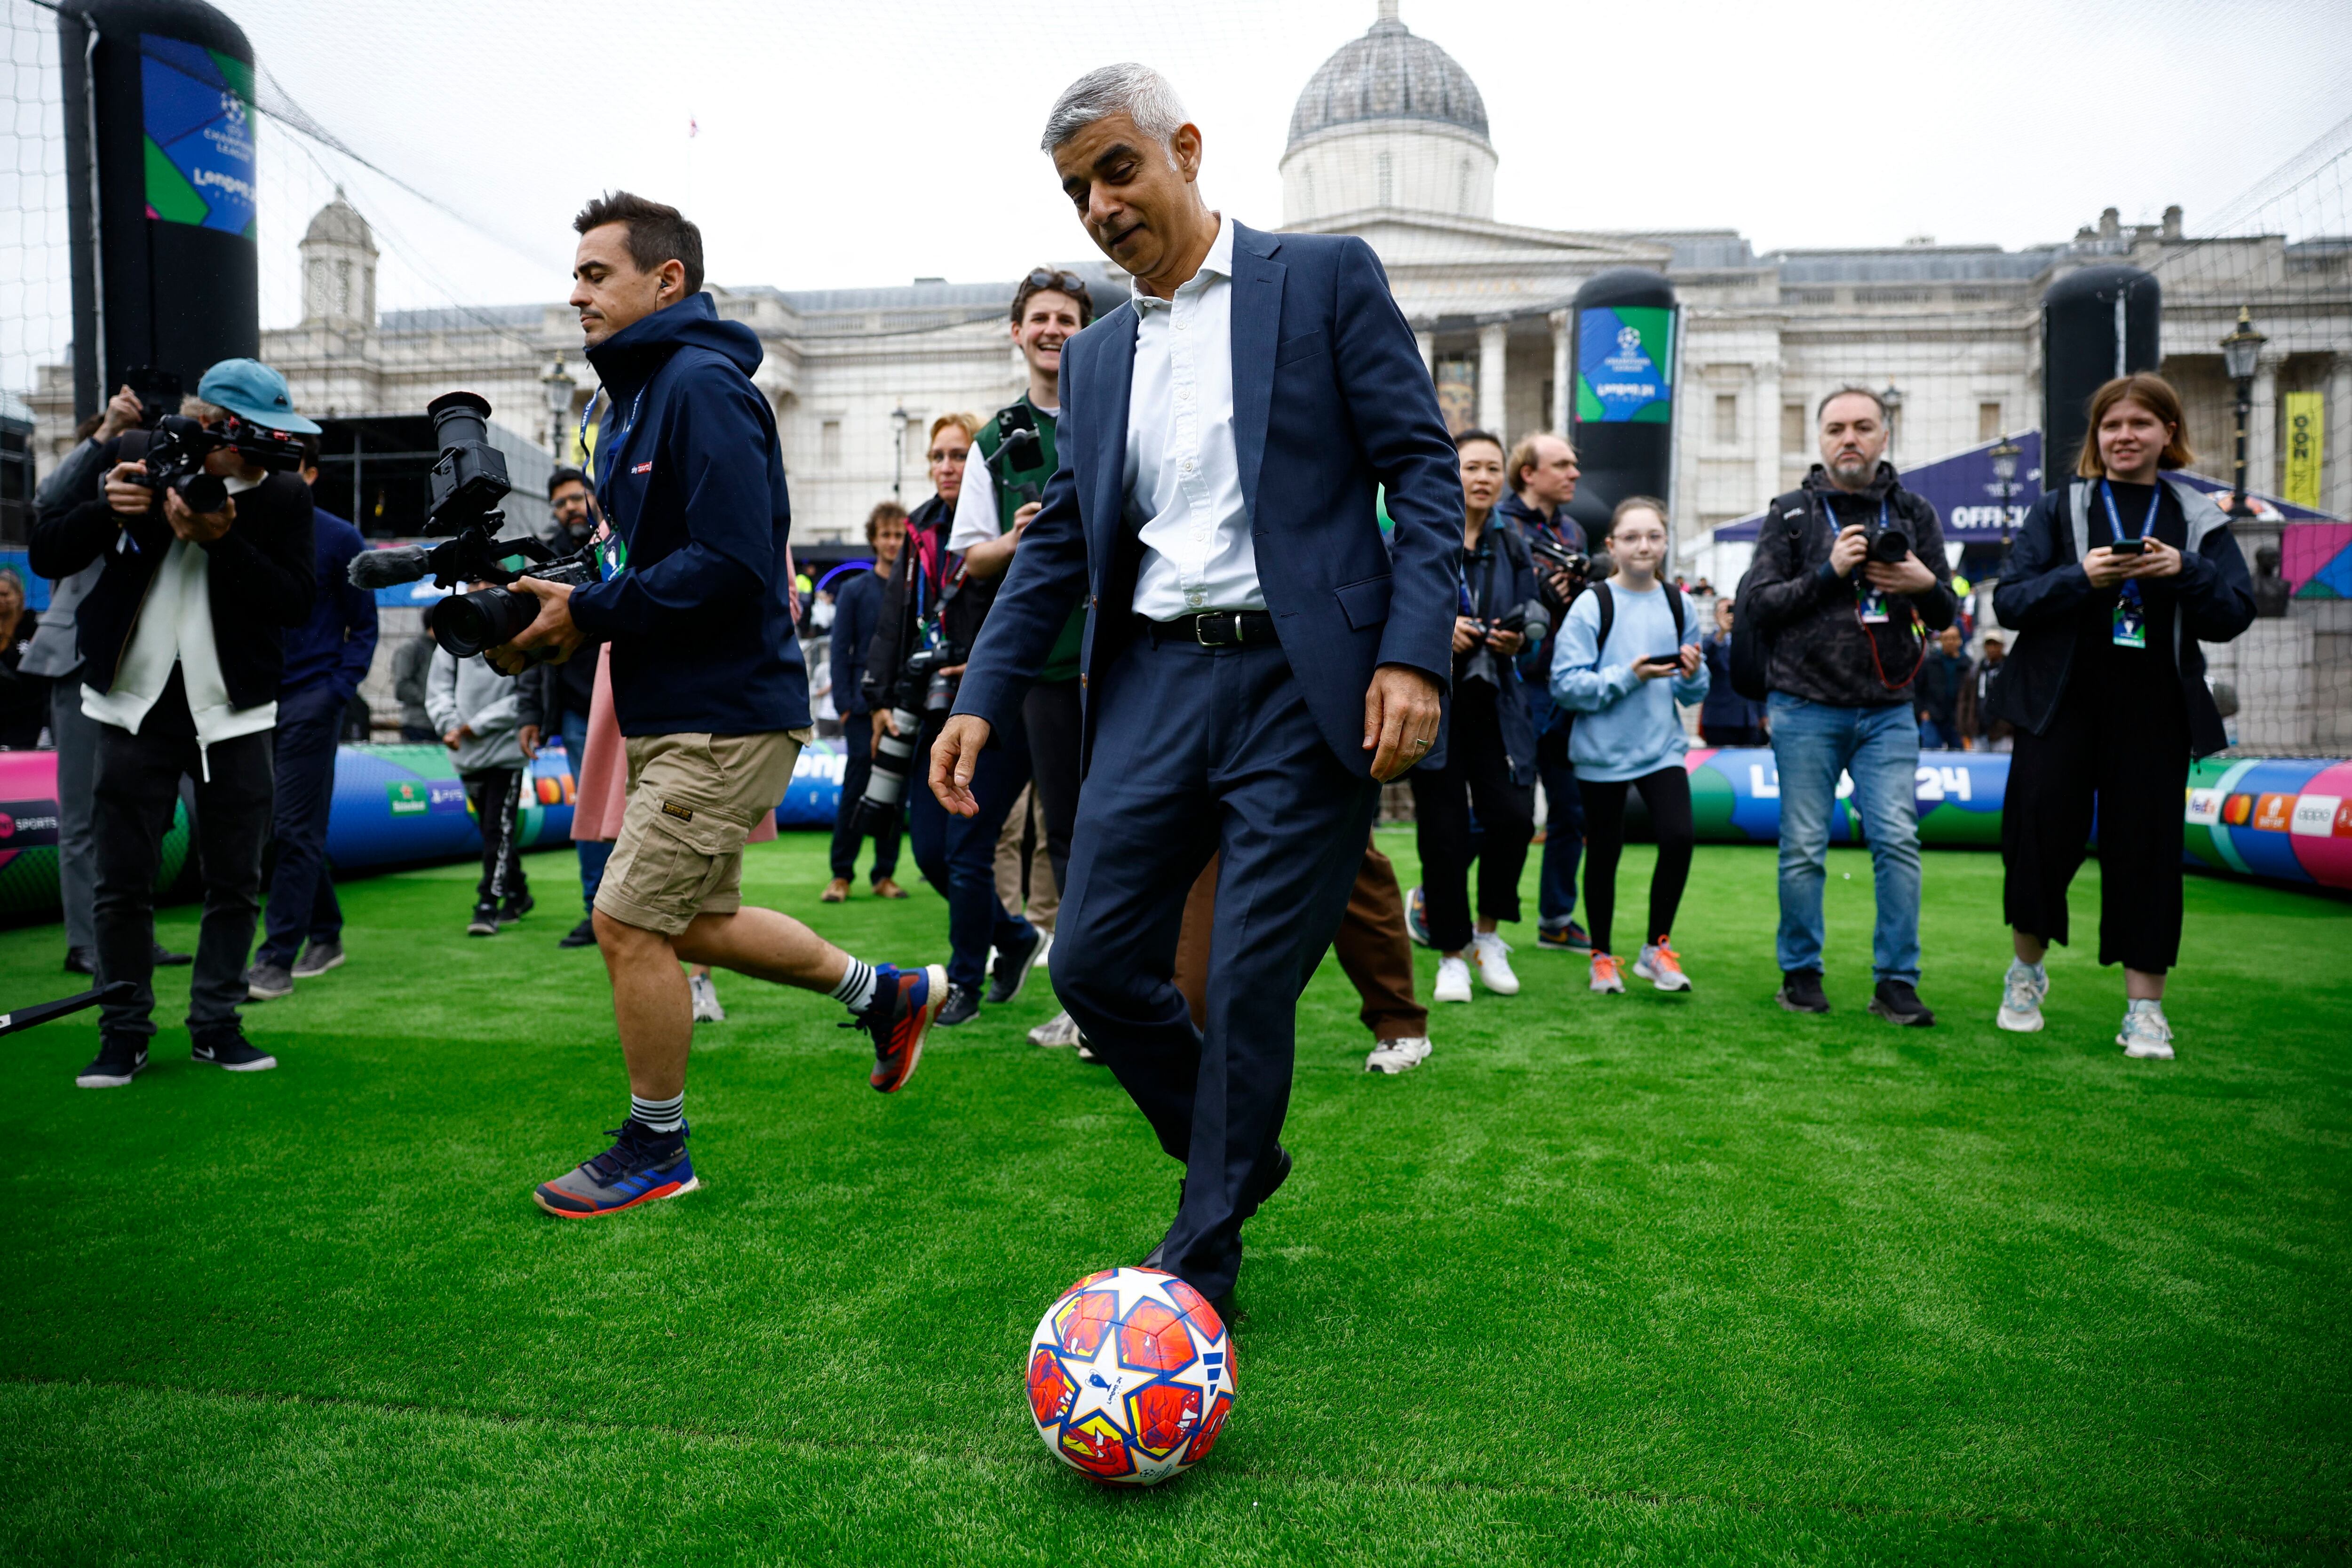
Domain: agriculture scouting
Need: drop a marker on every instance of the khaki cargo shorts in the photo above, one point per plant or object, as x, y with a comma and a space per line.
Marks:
692, 798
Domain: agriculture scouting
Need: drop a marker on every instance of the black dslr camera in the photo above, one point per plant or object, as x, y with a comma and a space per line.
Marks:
924, 688
1888, 545
178, 445
469, 482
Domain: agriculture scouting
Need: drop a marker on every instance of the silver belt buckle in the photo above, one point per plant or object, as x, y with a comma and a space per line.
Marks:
1200, 628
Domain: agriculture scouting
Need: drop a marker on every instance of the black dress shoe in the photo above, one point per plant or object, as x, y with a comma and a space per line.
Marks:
962, 1006
1228, 1311
81, 960
1011, 970
581, 935
167, 959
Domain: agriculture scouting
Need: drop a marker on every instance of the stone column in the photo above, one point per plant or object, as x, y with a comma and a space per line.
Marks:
2263, 430
1563, 384
1428, 341
1493, 346
2336, 492
1767, 424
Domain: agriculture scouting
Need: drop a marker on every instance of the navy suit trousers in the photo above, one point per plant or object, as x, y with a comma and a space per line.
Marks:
1198, 751
302, 902
957, 854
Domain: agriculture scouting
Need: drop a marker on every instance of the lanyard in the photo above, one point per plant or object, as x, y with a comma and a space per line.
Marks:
1830, 512
2130, 594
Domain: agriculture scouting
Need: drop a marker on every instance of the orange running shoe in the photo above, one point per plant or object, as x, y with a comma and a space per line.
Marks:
1606, 975
1662, 967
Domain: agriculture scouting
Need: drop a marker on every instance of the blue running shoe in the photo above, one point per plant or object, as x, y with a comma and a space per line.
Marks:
906, 1004
641, 1166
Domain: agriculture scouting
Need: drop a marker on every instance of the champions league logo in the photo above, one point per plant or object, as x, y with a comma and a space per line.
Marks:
1629, 359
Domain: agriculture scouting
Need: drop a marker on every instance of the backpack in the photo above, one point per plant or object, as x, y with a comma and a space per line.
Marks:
1608, 609
1751, 649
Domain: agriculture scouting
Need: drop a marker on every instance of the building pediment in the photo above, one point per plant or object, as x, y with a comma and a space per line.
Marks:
1407, 238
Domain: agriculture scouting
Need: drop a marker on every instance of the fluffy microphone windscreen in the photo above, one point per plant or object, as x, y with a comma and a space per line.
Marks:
387, 568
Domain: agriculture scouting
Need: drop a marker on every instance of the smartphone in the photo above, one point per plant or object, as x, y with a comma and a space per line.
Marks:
1661, 661
2127, 547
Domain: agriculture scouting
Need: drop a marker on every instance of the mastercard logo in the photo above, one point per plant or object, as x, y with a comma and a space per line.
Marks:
2237, 810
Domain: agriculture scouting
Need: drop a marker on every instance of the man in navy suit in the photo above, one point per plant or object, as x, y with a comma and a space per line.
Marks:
1257, 659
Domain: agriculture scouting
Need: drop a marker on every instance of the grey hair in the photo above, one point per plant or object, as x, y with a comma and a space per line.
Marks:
1135, 90
1850, 390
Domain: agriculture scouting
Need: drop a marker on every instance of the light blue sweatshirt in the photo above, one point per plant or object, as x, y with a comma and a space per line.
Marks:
1625, 726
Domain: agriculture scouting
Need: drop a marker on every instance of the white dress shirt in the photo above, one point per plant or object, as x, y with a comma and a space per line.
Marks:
1183, 476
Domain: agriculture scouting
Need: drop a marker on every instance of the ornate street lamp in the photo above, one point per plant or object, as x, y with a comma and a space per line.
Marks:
1893, 399
558, 382
899, 420
2004, 468
2242, 351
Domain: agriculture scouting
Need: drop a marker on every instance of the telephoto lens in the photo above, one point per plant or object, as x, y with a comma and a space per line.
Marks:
894, 758
465, 624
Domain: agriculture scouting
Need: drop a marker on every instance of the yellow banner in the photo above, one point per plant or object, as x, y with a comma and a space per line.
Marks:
2306, 420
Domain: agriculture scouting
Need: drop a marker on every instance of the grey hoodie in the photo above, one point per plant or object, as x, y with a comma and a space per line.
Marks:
470, 692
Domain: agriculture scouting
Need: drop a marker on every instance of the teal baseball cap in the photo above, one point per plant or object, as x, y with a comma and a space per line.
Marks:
251, 390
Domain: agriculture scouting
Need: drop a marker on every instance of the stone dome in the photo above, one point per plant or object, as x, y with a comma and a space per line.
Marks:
1389, 74
339, 222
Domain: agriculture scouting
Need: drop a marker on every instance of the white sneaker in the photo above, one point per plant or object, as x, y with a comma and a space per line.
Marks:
707, 1009
1487, 951
1452, 980
2145, 1033
1044, 948
1662, 966
1393, 1057
1061, 1029
2022, 991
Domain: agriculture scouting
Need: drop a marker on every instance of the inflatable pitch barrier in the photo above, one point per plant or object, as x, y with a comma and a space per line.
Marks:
393, 806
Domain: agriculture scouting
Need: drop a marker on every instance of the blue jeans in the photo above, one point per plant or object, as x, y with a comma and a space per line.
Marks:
1563, 847
957, 854
594, 852
1812, 743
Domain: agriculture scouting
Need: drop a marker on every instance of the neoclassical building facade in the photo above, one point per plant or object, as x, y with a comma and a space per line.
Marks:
1389, 141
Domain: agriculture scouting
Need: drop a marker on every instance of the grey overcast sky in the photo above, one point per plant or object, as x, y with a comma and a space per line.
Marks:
869, 143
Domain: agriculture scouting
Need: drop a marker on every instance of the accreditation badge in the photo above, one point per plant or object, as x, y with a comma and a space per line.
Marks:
1873, 606
2130, 625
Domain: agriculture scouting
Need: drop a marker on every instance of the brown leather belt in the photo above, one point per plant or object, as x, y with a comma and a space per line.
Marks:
1216, 628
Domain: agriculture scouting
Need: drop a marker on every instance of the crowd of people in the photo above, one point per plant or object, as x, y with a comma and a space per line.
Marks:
1233, 627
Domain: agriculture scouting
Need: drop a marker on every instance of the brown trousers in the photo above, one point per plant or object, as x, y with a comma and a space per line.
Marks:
1373, 945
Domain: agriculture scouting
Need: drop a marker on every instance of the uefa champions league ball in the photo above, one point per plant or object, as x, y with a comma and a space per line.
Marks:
1130, 1377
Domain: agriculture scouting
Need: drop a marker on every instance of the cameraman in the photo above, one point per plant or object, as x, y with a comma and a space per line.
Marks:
1849, 569
1543, 481
183, 643
707, 682
928, 619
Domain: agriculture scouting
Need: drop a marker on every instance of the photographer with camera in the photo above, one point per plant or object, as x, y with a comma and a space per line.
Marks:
325, 660
204, 528
693, 597
1850, 575
930, 616
1543, 475
857, 607
1001, 494
1490, 749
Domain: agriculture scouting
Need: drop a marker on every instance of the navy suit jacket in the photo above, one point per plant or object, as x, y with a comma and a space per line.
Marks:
1332, 402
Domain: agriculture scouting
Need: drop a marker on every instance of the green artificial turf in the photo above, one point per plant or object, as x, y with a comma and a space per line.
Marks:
1673, 1279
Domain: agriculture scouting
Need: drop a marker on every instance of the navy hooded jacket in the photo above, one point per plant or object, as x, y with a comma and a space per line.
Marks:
689, 471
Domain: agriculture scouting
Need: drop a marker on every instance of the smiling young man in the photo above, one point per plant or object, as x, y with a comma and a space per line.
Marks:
1847, 617
708, 685
1255, 664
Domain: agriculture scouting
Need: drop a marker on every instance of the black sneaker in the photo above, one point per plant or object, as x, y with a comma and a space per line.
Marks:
81, 960
581, 935
119, 1061
1801, 992
516, 907
1012, 966
232, 1050
485, 922
962, 1006
1897, 1002
316, 959
267, 982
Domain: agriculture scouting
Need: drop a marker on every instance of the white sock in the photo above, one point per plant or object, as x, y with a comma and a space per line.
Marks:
659, 1115
855, 991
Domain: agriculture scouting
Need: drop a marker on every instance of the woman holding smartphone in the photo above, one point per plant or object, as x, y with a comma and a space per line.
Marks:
1628, 652
2110, 584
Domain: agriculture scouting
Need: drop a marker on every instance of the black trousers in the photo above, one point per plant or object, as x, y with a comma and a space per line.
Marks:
857, 772
1478, 774
1668, 795
491, 793
138, 783
302, 902
1051, 712
2120, 752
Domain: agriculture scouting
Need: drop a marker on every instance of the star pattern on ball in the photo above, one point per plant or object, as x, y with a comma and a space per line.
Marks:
1130, 1376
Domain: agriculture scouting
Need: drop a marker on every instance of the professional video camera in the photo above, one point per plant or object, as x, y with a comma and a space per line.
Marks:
1021, 449
467, 482
924, 688
178, 445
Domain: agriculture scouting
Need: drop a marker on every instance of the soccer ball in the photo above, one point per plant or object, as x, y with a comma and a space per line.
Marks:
1130, 1377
